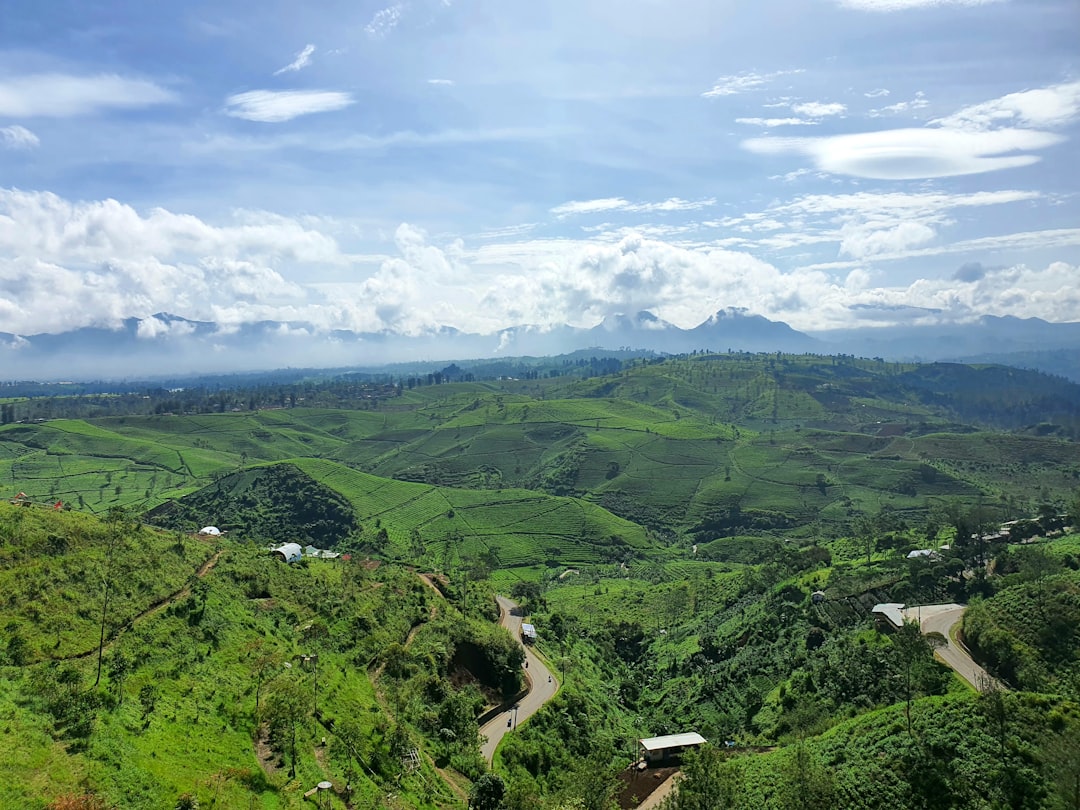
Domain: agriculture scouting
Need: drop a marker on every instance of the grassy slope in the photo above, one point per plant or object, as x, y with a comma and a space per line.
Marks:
200, 653
668, 445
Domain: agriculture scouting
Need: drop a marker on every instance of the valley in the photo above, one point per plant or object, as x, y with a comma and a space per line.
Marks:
699, 540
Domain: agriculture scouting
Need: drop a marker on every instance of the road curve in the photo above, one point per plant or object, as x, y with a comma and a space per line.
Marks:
941, 619
541, 682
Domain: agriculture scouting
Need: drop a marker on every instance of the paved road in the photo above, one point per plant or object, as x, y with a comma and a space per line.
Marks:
542, 685
940, 619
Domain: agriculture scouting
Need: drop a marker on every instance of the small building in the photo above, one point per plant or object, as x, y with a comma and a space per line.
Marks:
888, 615
657, 750
312, 551
927, 553
290, 552
210, 531
528, 633
817, 597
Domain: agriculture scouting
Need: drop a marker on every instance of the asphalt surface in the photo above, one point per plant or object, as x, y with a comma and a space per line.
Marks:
542, 686
940, 619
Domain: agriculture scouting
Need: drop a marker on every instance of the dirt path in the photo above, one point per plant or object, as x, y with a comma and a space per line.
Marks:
542, 685
661, 793
942, 619
155, 607
384, 704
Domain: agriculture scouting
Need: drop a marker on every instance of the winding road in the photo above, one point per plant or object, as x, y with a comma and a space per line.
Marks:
542, 685
941, 619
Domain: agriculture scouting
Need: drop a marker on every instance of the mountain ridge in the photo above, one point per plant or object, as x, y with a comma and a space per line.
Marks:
166, 340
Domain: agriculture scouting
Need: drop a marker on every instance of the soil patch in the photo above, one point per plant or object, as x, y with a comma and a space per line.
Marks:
636, 786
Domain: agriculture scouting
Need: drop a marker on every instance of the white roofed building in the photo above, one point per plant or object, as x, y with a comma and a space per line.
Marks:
290, 552
655, 750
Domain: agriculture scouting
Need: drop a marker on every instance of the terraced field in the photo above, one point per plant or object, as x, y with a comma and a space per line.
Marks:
694, 449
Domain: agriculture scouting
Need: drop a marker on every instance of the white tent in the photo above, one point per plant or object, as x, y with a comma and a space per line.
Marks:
212, 531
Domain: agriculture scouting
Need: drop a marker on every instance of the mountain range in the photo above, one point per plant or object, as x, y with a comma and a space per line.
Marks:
165, 344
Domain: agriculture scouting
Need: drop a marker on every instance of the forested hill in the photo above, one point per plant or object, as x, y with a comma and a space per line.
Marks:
732, 386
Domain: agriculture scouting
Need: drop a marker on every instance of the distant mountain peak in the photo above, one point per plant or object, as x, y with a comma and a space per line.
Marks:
643, 319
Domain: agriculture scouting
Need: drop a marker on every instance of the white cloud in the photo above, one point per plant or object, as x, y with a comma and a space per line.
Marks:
385, 20
775, 122
272, 106
302, 60
1044, 107
917, 103
864, 225
578, 207
441, 82
911, 154
881, 92
743, 83
59, 95
818, 109
16, 137
575, 207
1026, 240
980, 138
68, 264
904, 5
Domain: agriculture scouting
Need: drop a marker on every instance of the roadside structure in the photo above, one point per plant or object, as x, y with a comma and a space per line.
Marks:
889, 615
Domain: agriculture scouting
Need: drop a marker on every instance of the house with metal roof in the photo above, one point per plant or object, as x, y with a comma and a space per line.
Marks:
655, 750
888, 615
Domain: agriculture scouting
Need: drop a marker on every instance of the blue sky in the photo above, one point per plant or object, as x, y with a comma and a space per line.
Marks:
830, 163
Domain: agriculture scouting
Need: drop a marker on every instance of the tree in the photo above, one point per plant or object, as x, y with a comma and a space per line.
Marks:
1073, 510
284, 711
526, 592
119, 665
114, 527
705, 783
148, 696
1062, 755
915, 652
487, 792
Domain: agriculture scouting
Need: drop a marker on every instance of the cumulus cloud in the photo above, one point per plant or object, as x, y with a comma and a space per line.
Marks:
76, 264
59, 95
302, 60
272, 106
969, 272
16, 137
743, 83
67, 264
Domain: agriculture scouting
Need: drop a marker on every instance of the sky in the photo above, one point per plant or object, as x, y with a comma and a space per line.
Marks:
481, 164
